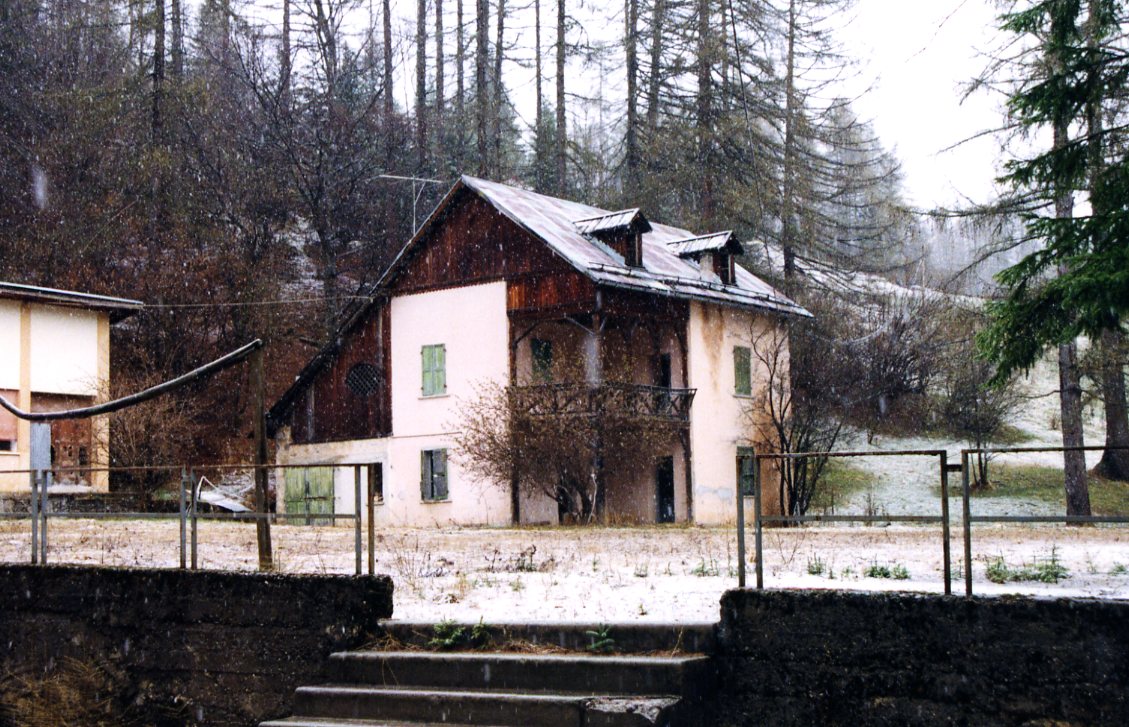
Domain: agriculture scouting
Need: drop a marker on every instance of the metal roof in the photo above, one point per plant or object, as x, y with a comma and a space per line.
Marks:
118, 308
612, 221
663, 272
714, 242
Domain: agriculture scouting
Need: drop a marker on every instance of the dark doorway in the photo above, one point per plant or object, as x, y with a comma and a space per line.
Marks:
663, 372
664, 489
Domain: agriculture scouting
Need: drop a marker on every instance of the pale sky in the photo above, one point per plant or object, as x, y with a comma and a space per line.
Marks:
918, 54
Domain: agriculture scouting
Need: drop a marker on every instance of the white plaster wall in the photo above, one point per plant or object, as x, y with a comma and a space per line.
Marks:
720, 418
9, 345
64, 351
472, 323
343, 454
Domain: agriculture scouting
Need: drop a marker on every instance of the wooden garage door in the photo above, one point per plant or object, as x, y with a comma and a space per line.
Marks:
309, 491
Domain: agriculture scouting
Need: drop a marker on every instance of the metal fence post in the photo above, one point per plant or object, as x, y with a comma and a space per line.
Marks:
967, 512
43, 507
374, 472
192, 511
945, 550
183, 518
758, 525
357, 509
740, 531
34, 505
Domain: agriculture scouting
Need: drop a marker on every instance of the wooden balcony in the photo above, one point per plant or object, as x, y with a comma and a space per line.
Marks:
636, 401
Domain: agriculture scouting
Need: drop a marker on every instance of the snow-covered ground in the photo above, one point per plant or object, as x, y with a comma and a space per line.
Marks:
657, 573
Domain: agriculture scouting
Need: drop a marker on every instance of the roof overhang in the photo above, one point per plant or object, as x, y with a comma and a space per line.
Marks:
117, 308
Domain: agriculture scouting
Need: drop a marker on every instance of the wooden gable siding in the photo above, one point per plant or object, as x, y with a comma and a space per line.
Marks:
330, 410
474, 243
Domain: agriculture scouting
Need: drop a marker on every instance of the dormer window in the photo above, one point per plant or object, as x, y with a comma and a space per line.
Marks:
621, 231
714, 254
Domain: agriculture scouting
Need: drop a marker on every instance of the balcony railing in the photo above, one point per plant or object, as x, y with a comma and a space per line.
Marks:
610, 399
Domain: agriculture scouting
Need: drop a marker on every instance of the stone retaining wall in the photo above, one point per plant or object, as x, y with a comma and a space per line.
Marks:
833, 657
180, 647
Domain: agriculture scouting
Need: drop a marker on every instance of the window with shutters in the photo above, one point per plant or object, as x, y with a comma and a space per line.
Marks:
433, 475
434, 370
742, 371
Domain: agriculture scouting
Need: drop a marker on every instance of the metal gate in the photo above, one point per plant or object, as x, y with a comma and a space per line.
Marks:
309, 491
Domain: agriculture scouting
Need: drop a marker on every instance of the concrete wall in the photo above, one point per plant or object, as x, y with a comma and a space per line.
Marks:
185, 648
831, 657
721, 420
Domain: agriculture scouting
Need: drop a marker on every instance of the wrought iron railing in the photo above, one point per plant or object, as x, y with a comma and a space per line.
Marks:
609, 398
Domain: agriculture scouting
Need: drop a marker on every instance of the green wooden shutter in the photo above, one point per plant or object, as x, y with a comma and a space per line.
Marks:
426, 366
742, 371
425, 475
440, 369
439, 474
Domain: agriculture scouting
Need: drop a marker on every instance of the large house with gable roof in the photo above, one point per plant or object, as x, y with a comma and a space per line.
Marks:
505, 285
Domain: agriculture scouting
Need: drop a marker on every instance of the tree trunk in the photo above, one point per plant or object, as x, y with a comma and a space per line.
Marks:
788, 181
496, 104
1114, 463
285, 62
705, 113
388, 106
654, 84
440, 141
421, 86
157, 115
481, 92
562, 131
177, 40
460, 87
631, 136
1070, 387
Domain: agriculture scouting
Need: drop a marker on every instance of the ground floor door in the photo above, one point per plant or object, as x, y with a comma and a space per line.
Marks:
309, 491
664, 489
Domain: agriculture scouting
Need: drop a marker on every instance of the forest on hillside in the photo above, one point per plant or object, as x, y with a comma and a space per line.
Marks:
248, 169
238, 166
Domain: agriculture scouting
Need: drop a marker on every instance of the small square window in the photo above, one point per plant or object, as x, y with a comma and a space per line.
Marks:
433, 475
434, 370
742, 371
7, 445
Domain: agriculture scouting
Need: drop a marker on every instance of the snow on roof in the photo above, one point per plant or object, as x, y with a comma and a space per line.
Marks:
663, 273
118, 307
612, 221
704, 243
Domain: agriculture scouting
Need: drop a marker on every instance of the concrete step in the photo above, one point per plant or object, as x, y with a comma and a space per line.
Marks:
483, 707
631, 638
562, 673
426, 705
318, 722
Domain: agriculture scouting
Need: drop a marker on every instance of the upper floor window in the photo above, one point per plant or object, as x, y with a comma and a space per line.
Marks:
433, 475
434, 370
742, 371
542, 354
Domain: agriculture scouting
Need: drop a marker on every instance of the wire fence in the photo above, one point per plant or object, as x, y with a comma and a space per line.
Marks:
943, 518
193, 508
